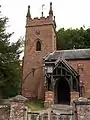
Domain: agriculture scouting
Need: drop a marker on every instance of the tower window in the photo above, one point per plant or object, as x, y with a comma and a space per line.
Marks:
38, 46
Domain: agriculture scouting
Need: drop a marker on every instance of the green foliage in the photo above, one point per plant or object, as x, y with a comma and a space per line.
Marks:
73, 38
9, 62
36, 105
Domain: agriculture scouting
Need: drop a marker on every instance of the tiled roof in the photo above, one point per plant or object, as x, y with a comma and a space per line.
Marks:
69, 54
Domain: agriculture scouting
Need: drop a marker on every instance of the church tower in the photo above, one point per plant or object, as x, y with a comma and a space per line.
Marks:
40, 40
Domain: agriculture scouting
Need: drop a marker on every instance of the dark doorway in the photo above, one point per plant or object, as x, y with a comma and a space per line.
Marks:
62, 91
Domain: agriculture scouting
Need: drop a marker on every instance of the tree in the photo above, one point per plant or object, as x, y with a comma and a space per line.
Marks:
73, 38
9, 62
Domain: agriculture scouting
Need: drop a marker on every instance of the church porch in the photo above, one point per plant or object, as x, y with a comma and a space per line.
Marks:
61, 83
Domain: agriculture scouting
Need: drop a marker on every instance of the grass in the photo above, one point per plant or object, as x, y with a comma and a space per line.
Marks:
36, 105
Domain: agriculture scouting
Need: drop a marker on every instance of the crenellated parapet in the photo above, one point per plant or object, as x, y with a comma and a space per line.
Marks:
42, 20
39, 21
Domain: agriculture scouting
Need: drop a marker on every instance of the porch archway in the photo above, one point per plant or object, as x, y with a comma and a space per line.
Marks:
62, 91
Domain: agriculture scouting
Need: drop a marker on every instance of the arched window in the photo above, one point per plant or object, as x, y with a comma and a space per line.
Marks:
38, 46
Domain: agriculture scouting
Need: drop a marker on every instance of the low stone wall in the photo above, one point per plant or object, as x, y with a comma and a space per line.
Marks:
82, 109
83, 112
13, 109
17, 111
4, 112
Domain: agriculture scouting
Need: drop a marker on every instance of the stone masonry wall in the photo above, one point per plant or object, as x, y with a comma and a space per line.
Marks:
17, 111
33, 86
4, 112
82, 106
13, 109
83, 112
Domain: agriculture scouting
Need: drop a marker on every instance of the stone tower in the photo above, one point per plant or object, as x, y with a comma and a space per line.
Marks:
40, 40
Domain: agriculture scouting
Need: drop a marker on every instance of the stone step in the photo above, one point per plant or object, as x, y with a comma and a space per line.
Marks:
62, 109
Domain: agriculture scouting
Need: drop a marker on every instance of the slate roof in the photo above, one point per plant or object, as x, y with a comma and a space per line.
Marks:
73, 54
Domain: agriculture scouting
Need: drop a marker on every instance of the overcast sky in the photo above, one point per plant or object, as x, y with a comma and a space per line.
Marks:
69, 13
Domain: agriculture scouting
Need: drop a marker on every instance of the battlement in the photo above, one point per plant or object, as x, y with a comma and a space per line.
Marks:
40, 21
30, 22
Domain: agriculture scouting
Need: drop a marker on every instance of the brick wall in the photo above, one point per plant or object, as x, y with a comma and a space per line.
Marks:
84, 73
49, 99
